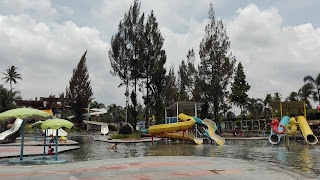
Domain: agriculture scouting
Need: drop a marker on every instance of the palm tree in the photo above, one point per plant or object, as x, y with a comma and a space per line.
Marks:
276, 97
11, 76
316, 86
305, 93
254, 107
96, 104
293, 96
8, 99
266, 104
117, 113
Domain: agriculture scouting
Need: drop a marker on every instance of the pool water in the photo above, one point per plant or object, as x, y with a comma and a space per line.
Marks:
301, 157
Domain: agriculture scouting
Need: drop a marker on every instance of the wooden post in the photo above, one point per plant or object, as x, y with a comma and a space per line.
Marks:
22, 138
152, 139
57, 137
44, 143
177, 111
183, 135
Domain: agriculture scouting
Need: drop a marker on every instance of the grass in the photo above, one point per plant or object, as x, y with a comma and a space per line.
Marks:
134, 135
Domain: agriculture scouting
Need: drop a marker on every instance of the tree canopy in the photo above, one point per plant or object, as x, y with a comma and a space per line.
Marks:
216, 63
11, 76
79, 93
239, 87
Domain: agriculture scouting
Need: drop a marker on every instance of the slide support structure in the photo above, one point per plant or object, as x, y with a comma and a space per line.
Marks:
183, 135
152, 139
22, 139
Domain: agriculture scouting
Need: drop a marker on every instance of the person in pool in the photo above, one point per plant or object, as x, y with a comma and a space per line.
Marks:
113, 146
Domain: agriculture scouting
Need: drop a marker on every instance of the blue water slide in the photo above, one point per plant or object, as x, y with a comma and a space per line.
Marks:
276, 138
209, 128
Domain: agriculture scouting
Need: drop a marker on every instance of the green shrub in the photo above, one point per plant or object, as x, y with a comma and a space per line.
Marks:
238, 123
313, 114
126, 129
125, 136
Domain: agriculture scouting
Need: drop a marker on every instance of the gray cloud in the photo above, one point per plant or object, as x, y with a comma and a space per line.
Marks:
47, 41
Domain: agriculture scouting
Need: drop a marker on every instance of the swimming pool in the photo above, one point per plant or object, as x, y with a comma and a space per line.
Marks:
301, 157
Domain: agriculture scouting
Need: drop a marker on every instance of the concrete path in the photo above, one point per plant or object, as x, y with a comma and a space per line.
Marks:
148, 168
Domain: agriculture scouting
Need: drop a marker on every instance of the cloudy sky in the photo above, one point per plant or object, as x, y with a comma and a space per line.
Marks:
277, 41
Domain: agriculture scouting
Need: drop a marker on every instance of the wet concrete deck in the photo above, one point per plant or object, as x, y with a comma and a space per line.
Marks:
148, 168
34, 148
14, 151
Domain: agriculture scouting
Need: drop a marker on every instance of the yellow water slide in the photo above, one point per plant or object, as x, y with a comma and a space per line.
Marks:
187, 122
212, 135
291, 128
48, 111
306, 131
179, 135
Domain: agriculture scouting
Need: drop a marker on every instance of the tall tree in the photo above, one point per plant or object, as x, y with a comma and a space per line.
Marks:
239, 88
315, 86
216, 63
187, 77
171, 88
154, 72
11, 76
120, 61
266, 105
79, 94
182, 81
117, 113
127, 50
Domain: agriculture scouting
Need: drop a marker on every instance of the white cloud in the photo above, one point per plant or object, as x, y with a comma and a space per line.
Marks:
177, 44
46, 54
41, 10
275, 58
46, 44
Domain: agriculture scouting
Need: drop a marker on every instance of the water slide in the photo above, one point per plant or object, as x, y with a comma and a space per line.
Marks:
186, 136
14, 128
210, 130
93, 112
291, 128
171, 130
104, 129
306, 131
276, 138
53, 132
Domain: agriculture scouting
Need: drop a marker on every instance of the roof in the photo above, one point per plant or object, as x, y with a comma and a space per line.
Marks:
290, 104
314, 122
184, 105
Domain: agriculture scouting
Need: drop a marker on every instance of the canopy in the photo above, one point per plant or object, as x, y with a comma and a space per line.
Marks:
23, 113
56, 124
36, 125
